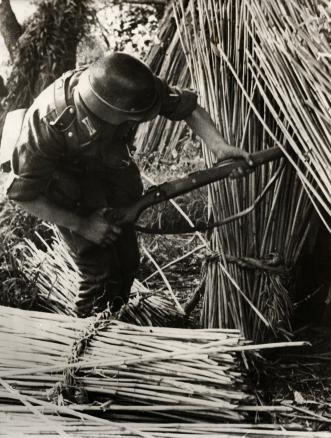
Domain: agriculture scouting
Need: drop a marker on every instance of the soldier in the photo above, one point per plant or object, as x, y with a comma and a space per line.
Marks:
74, 158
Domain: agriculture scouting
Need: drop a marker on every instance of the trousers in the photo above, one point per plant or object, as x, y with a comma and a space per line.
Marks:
107, 273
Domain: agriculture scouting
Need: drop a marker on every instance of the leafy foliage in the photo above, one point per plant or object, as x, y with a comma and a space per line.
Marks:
120, 27
47, 47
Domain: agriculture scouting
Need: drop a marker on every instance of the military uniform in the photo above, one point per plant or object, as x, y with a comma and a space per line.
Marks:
82, 164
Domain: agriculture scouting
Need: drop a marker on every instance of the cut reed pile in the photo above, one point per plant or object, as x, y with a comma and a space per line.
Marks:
18, 421
249, 269
55, 276
160, 138
112, 367
291, 61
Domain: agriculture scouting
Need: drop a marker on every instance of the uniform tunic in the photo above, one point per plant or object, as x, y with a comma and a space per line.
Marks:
82, 164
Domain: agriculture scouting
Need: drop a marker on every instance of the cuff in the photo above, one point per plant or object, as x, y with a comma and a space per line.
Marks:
187, 104
23, 189
178, 103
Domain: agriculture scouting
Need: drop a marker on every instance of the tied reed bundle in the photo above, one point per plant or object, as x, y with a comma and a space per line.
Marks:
249, 270
18, 421
55, 275
117, 368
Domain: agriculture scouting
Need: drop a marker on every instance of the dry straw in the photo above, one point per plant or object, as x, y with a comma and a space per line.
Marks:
55, 275
125, 370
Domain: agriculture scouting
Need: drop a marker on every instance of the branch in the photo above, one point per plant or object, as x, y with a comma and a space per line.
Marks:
10, 28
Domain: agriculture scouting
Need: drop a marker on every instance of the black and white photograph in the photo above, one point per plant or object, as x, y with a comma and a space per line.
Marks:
165, 218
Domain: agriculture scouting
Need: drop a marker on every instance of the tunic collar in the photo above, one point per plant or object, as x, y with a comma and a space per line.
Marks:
89, 125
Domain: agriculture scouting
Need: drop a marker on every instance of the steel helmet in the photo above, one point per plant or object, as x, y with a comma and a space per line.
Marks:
120, 85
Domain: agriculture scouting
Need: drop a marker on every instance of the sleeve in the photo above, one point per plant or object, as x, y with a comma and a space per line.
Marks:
34, 159
176, 103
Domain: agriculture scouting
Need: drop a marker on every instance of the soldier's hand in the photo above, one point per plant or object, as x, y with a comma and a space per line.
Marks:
230, 152
225, 152
98, 230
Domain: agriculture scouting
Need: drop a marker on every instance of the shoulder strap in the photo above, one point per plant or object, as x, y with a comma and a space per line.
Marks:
65, 110
65, 113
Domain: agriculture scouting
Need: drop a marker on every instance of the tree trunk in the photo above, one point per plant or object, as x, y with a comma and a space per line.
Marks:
9, 26
3, 88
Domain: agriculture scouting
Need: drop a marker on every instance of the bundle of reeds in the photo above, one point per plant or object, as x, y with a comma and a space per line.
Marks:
292, 63
19, 421
249, 268
112, 367
151, 308
54, 274
160, 138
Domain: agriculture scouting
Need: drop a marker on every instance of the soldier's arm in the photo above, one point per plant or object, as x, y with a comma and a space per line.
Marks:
181, 104
201, 124
94, 228
46, 211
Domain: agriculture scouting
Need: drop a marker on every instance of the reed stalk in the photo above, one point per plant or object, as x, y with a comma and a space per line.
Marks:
17, 420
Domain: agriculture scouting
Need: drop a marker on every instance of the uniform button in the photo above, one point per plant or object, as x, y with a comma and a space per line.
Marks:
70, 134
72, 110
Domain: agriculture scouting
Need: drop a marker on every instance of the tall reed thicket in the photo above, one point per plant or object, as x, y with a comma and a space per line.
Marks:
257, 85
292, 58
217, 43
